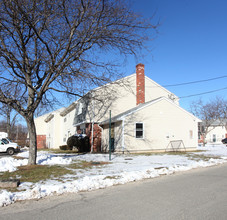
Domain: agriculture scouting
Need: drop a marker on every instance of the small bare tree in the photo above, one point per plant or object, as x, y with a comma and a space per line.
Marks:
49, 46
9, 116
210, 112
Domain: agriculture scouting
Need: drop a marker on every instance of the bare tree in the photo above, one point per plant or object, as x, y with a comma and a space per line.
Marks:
223, 110
212, 112
50, 46
18, 132
9, 116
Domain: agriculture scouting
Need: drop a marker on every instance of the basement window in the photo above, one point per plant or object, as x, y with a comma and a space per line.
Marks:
139, 130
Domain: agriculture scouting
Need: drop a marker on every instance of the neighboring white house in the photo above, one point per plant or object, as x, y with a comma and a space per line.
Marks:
145, 117
216, 132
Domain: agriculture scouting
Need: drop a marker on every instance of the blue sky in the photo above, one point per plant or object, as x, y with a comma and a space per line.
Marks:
190, 46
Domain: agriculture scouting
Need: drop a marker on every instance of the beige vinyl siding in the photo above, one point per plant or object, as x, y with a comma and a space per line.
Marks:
53, 128
153, 91
67, 126
120, 97
117, 137
162, 121
41, 126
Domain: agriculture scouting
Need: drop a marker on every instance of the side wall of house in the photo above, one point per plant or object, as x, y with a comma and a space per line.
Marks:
58, 131
154, 91
163, 122
117, 97
41, 125
67, 126
41, 131
50, 138
54, 134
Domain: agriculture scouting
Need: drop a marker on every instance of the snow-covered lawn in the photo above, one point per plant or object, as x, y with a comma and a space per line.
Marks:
122, 169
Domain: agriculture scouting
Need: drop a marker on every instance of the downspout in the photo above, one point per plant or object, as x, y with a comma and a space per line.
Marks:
123, 137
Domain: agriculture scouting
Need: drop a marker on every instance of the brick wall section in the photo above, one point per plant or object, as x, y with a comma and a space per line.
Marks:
41, 141
97, 136
140, 84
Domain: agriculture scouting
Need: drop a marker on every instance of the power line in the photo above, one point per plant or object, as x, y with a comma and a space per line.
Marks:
203, 93
187, 83
193, 82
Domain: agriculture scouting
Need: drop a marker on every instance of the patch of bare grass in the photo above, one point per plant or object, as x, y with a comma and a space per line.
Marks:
198, 157
86, 165
35, 173
18, 158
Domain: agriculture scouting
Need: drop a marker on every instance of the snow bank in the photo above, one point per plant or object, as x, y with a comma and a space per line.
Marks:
43, 158
121, 170
10, 164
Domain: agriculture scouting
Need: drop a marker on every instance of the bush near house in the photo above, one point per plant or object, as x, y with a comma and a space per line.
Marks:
82, 143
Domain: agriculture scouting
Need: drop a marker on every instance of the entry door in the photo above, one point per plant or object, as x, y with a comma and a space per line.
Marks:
214, 138
112, 137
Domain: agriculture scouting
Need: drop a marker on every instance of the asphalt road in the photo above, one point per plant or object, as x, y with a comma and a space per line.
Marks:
197, 194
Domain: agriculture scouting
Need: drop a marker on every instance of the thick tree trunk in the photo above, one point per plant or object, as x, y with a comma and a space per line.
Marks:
32, 140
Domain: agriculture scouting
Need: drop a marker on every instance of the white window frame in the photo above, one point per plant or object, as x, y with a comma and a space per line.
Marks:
139, 130
80, 108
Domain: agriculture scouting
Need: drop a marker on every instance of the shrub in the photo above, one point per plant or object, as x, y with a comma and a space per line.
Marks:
80, 142
72, 142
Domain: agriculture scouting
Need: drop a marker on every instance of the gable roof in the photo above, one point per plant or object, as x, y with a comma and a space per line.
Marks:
69, 109
121, 116
51, 115
73, 105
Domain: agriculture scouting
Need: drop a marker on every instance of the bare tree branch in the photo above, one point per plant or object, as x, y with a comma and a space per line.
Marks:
61, 45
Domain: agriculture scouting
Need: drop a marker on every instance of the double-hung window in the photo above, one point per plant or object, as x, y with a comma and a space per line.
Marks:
139, 130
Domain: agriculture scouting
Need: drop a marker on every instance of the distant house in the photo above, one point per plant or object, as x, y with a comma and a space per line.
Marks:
145, 117
53, 129
216, 131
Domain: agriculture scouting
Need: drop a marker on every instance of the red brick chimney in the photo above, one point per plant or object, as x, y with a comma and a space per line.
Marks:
140, 84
